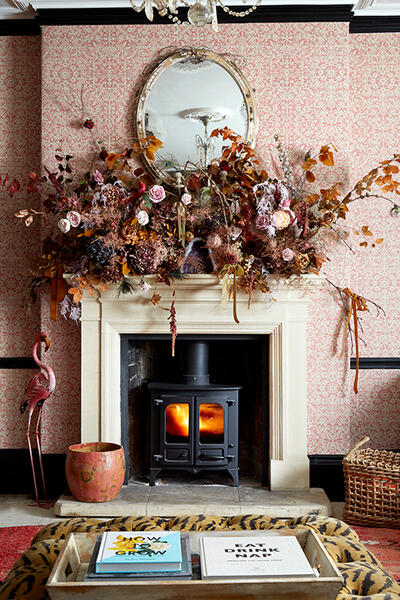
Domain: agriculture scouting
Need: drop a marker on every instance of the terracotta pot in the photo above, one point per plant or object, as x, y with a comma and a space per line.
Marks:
95, 472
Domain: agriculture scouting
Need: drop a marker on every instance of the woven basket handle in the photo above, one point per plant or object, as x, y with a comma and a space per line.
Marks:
358, 445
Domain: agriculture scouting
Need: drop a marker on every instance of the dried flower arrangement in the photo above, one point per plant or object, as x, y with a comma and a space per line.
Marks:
232, 219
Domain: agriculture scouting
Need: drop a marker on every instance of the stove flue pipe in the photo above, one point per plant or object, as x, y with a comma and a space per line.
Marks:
196, 364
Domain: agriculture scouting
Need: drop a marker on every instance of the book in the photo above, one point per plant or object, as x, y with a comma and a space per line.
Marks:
184, 573
139, 552
253, 556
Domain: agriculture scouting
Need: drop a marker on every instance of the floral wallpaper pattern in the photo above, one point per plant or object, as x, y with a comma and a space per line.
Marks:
314, 83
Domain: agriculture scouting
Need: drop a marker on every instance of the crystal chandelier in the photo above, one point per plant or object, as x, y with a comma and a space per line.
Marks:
202, 12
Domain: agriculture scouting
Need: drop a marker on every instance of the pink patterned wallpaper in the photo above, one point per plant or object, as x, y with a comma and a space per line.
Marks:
314, 84
19, 152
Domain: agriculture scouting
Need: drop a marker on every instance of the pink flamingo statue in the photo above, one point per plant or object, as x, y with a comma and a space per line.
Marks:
37, 389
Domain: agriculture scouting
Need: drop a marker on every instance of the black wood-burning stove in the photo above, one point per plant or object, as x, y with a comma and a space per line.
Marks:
194, 424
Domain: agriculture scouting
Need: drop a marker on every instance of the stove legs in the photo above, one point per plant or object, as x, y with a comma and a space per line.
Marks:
153, 476
234, 473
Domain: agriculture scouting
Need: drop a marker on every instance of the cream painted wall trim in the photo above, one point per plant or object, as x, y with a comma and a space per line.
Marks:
199, 310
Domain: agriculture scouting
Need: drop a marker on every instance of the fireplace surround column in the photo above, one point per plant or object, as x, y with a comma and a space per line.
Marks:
199, 311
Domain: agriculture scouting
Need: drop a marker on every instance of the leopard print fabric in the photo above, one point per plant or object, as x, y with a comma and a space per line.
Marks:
364, 578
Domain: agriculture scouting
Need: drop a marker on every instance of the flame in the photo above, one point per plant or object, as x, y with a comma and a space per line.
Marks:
211, 419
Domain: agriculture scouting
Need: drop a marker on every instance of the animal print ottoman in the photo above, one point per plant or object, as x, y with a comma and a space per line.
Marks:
364, 577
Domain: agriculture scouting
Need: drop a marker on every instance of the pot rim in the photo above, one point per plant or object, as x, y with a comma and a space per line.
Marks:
85, 448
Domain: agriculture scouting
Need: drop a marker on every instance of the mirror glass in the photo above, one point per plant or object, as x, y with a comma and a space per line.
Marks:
185, 98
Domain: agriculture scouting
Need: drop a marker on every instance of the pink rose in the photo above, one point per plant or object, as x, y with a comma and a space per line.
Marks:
98, 177
186, 199
142, 217
74, 218
287, 254
262, 221
280, 219
213, 240
64, 225
156, 193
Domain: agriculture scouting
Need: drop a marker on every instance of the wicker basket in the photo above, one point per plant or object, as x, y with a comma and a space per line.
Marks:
372, 487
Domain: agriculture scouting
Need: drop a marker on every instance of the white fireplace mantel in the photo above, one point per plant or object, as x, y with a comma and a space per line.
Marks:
199, 310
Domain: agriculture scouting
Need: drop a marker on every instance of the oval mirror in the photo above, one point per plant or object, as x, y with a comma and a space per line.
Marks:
190, 93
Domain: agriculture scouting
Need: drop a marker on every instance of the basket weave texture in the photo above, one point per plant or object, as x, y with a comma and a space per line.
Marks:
372, 487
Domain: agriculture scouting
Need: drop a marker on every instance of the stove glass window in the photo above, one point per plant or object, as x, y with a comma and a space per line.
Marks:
211, 423
177, 422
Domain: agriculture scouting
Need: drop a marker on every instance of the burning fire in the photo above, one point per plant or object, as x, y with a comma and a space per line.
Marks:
211, 419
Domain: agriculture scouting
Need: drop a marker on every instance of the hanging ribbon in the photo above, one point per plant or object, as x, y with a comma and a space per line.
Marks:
57, 292
181, 210
229, 287
357, 303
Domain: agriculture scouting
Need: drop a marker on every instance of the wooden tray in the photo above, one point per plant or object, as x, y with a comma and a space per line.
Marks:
66, 579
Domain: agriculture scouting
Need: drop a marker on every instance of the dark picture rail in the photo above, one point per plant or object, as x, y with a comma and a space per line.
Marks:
376, 363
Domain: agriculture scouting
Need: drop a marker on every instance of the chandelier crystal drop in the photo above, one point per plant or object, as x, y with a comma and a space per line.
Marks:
201, 12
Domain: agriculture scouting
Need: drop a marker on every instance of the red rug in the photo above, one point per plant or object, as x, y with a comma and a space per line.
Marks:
385, 545
13, 542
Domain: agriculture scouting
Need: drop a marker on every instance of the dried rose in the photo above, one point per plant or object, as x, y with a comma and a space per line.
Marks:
186, 199
142, 217
213, 240
74, 218
288, 254
64, 225
88, 124
262, 221
98, 177
231, 258
156, 193
302, 261
280, 219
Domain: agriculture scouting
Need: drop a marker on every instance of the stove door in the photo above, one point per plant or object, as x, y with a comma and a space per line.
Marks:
176, 430
211, 431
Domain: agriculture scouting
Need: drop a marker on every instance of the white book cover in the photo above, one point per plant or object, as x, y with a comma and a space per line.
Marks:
253, 556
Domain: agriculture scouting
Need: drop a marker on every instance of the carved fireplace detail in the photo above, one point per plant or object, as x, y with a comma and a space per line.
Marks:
199, 311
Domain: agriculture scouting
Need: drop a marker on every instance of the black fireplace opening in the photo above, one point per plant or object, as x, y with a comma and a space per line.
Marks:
150, 380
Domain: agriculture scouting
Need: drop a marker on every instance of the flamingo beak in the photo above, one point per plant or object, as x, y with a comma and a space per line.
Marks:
47, 342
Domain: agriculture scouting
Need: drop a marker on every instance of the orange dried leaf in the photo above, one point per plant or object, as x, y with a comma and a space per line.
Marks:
365, 230
326, 156
76, 294
156, 299
125, 269
308, 164
364, 244
111, 159
379, 241
310, 176
312, 199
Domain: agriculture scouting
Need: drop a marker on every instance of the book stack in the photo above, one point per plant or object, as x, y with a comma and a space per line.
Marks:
253, 556
141, 555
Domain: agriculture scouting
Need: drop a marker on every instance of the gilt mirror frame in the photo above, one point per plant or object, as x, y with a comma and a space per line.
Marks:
178, 56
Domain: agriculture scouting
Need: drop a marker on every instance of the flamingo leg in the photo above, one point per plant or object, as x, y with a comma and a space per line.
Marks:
30, 454
40, 450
